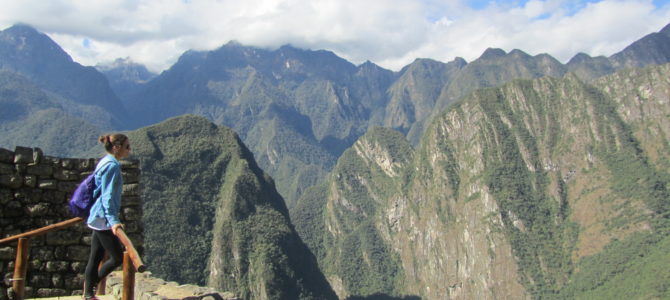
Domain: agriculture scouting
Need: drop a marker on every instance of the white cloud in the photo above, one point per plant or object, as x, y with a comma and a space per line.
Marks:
552, 27
391, 33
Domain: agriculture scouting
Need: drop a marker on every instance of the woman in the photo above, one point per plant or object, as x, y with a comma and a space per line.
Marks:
104, 214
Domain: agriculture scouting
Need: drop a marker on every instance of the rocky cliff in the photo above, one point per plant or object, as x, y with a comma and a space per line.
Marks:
508, 193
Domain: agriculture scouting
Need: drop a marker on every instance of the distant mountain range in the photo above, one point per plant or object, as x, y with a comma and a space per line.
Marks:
297, 110
125, 77
381, 217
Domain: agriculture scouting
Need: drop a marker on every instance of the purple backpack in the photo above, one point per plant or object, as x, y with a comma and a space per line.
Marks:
83, 197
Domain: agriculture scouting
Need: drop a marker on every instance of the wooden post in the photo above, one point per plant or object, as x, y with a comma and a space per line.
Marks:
20, 269
128, 277
134, 256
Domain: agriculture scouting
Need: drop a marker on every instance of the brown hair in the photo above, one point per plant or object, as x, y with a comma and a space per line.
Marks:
111, 140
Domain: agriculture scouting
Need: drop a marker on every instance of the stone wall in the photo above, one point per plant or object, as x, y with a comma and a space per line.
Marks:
34, 191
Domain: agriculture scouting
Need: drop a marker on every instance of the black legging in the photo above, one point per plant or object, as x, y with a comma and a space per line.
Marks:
101, 241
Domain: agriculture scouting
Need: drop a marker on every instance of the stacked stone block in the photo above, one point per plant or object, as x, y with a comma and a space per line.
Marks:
34, 192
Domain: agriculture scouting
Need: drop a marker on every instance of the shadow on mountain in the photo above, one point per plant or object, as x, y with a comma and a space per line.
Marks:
383, 297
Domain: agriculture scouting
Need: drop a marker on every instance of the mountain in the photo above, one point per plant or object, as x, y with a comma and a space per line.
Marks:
297, 110
82, 91
125, 77
413, 95
551, 188
213, 216
585, 66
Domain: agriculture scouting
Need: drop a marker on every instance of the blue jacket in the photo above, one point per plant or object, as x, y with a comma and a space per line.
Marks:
105, 211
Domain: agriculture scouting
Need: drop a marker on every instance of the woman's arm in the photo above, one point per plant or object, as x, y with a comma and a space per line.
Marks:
112, 187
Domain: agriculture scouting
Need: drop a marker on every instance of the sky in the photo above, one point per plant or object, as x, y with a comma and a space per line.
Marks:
390, 33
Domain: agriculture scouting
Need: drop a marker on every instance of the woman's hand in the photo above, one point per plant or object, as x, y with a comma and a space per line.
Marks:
116, 227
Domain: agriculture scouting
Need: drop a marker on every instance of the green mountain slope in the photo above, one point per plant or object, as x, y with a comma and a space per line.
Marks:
28, 116
512, 193
356, 257
212, 216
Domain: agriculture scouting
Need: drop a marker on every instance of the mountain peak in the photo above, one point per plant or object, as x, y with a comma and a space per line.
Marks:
24, 38
21, 28
580, 57
233, 43
117, 63
368, 65
518, 53
493, 53
459, 61
666, 29
426, 61
125, 69
289, 49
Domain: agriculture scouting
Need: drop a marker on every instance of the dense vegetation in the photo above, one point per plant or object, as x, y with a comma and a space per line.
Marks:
28, 116
354, 250
634, 268
213, 217
544, 245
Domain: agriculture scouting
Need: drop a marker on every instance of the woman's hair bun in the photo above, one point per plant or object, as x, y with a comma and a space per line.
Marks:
104, 139
110, 140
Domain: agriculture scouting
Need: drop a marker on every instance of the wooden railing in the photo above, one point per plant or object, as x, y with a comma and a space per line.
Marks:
131, 259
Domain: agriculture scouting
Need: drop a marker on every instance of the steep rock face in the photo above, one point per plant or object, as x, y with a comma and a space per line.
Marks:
340, 218
508, 192
642, 100
413, 94
213, 216
539, 150
550, 153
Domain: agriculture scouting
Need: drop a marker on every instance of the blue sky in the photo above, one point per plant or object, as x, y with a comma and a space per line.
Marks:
391, 33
